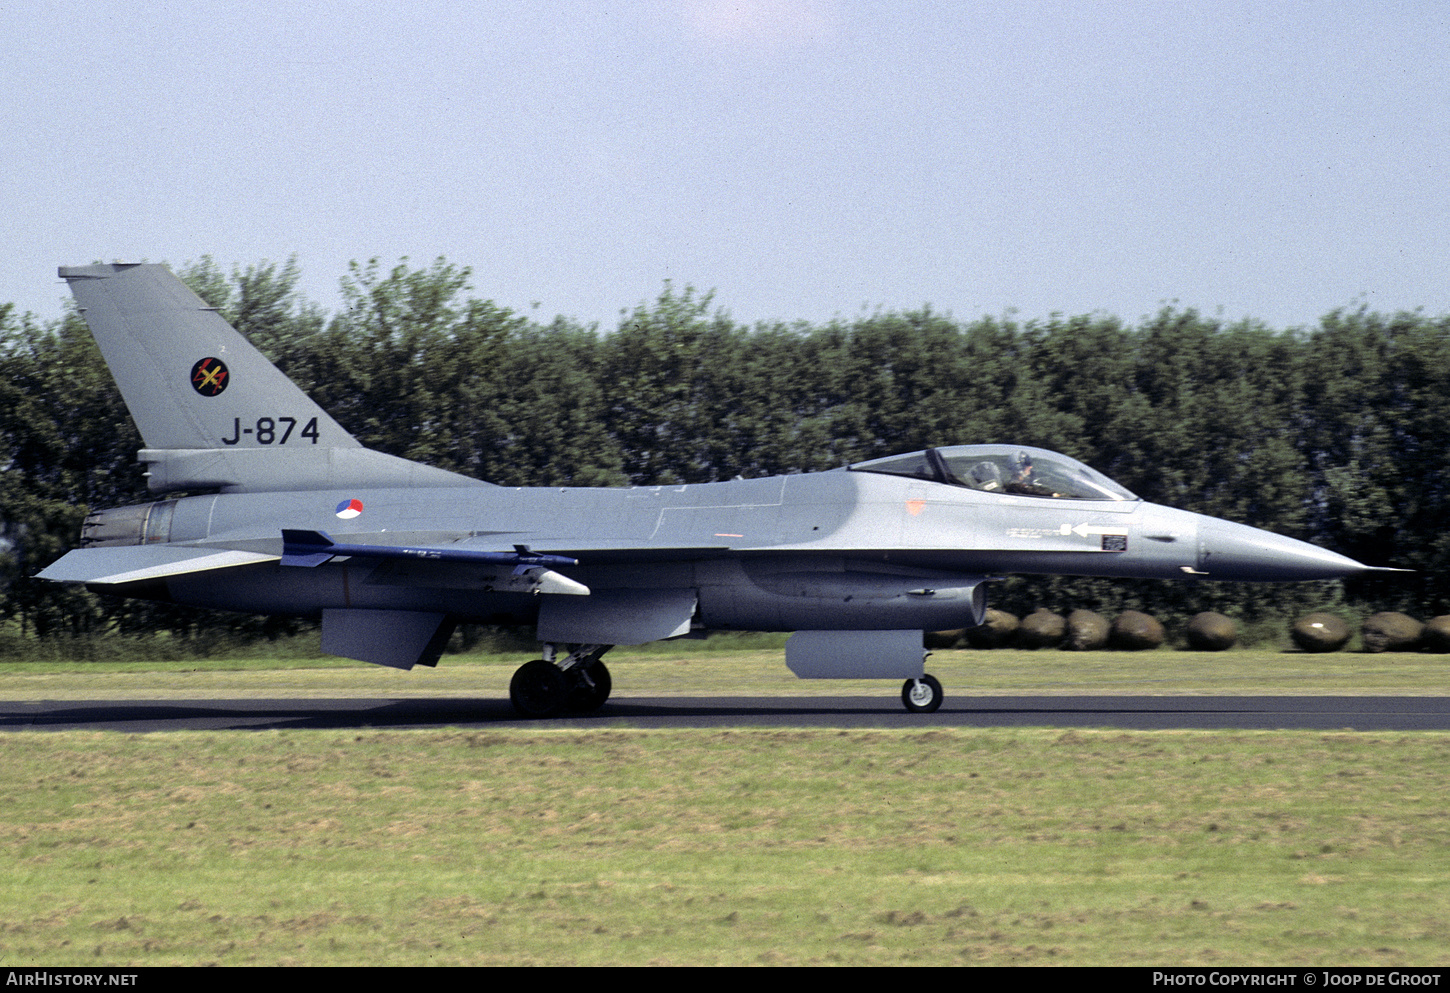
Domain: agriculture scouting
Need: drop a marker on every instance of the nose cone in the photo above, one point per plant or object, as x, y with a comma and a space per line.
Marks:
1238, 552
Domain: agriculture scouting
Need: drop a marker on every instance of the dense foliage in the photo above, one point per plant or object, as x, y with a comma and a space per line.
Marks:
1336, 434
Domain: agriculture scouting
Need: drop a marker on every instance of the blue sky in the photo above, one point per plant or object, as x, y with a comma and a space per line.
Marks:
805, 159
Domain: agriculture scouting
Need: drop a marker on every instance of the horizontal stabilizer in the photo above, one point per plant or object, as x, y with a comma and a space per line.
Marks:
135, 563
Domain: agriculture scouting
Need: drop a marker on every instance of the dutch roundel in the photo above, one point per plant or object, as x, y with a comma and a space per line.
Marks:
349, 509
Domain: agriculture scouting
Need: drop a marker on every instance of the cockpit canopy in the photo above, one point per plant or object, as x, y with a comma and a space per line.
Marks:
1002, 469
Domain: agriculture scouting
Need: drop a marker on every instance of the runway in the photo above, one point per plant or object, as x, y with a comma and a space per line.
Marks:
1141, 713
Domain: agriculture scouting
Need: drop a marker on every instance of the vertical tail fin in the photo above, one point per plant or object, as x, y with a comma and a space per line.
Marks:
190, 380
210, 407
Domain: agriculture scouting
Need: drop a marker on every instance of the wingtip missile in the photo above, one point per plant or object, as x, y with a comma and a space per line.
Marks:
306, 549
309, 549
312, 548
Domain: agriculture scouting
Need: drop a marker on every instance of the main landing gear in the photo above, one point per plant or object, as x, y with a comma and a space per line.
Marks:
579, 684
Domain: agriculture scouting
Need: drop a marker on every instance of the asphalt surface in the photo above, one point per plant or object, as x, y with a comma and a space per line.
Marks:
1326, 713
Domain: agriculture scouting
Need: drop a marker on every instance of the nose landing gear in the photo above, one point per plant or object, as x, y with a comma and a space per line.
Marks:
922, 696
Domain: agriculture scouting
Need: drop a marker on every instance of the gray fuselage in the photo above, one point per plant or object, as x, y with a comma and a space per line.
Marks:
841, 549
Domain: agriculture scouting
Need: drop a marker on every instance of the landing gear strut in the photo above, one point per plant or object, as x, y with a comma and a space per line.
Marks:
580, 683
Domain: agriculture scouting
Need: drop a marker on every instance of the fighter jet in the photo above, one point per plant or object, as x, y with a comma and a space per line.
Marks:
288, 514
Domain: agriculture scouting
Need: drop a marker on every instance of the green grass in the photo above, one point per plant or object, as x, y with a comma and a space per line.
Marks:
684, 669
619, 846
725, 847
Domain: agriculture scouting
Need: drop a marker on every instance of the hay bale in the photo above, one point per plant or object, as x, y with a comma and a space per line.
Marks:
1041, 629
937, 640
1390, 631
1212, 632
997, 629
1437, 635
1134, 631
1320, 633
1087, 631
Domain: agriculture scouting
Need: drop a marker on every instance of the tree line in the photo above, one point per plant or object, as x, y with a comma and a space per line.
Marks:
1338, 434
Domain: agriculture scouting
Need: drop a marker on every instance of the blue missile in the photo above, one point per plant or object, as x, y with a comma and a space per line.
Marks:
312, 548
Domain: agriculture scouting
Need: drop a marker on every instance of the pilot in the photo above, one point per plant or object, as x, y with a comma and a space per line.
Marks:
1024, 480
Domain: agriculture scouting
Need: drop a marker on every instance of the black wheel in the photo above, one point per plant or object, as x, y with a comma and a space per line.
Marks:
591, 687
922, 696
539, 689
